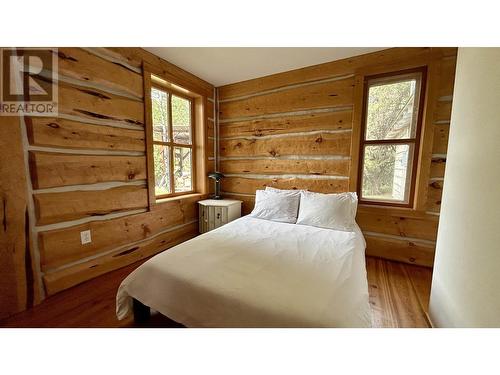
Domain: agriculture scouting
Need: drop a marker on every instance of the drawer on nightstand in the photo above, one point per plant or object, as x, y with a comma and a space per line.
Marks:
215, 213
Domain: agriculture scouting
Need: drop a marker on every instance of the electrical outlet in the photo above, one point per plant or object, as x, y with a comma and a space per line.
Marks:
85, 237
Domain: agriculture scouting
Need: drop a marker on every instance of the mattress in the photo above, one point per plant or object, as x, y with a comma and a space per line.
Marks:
256, 273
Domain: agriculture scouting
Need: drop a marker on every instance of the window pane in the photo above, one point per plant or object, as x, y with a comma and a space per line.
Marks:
159, 101
387, 172
181, 120
162, 169
182, 169
392, 108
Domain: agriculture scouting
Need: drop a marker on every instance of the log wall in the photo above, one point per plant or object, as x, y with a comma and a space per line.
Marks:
19, 286
300, 130
86, 170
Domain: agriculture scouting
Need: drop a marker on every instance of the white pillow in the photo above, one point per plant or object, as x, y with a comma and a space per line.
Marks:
295, 192
332, 211
276, 206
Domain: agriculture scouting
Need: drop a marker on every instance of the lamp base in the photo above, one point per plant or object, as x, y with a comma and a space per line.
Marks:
217, 197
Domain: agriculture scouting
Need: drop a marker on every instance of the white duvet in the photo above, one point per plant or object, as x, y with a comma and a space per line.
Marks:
256, 273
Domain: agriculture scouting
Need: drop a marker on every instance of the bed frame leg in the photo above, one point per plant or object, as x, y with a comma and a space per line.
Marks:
142, 313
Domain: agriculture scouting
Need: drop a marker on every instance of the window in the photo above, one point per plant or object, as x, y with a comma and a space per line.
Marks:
390, 138
172, 121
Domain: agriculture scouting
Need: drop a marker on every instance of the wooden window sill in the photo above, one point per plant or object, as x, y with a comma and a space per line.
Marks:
381, 207
179, 197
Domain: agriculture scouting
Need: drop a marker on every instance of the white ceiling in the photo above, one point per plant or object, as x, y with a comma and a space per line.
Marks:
224, 65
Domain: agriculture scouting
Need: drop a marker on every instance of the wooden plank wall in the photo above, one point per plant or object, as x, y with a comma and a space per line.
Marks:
87, 171
300, 130
18, 286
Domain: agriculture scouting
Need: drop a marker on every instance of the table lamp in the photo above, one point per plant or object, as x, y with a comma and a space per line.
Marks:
216, 176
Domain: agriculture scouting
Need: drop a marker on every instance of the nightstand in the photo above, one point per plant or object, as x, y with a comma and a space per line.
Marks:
214, 213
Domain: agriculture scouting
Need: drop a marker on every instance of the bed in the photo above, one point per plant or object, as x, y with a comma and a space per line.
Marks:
256, 273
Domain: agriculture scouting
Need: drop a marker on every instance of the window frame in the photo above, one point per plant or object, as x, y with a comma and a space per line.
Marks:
406, 141
171, 144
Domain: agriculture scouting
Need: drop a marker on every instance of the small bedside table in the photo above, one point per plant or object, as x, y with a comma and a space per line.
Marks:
214, 213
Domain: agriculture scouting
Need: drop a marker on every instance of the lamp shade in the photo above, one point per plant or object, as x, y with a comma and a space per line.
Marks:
217, 176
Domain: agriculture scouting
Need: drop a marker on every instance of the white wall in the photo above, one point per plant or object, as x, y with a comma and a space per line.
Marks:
466, 281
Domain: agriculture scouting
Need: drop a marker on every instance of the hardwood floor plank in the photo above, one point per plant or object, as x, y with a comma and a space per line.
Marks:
409, 312
421, 278
398, 298
394, 298
383, 315
91, 304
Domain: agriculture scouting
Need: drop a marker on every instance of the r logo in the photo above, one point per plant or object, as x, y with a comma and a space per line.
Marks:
29, 79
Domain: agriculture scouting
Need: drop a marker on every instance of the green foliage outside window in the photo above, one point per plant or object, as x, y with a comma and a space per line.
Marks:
181, 133
390, 115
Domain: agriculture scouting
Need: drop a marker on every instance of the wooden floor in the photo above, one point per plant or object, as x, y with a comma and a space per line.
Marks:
399, 295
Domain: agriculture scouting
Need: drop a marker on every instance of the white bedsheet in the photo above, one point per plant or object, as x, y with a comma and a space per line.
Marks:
256, 273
